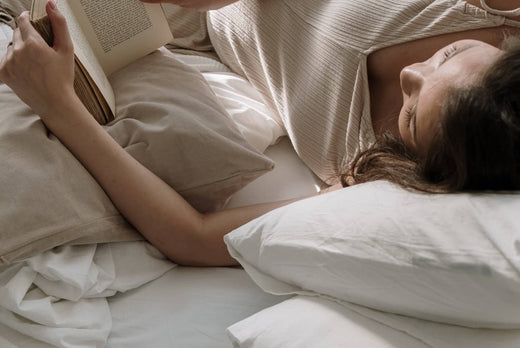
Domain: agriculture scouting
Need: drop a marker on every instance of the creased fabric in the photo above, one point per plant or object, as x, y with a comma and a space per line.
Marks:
10, 9
59, 297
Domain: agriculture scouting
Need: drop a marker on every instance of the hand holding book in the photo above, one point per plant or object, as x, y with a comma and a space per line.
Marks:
83, 86
40, 75
105, 38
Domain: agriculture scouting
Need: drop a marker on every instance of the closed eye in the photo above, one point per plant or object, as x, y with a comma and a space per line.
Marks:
453, 50
409, 113
448, 53
410, 116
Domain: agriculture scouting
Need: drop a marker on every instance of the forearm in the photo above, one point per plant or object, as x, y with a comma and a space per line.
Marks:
144, 199
150, 205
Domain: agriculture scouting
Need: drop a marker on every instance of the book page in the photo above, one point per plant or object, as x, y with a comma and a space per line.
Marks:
86, 55
120, 31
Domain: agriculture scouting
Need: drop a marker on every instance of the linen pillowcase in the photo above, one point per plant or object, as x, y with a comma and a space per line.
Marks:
181, 131
167, 118
10, 9
304, 321
448, 258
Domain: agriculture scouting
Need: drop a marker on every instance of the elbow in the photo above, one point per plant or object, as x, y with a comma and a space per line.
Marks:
198, 248
198, 256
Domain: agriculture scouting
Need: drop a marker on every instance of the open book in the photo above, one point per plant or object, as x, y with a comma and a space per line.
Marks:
107, 35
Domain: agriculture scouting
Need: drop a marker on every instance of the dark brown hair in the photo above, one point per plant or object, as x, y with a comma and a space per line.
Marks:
476, 145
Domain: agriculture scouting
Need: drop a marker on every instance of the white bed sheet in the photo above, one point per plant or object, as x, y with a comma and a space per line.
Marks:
59, 297
186, 307
6, 33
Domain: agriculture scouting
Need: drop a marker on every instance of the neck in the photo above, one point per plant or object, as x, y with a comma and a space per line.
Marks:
386, 102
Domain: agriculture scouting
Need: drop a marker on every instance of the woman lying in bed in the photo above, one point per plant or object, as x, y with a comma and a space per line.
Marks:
459, 129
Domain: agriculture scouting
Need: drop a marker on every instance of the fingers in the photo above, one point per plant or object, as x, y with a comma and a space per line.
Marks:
16, 40
24, 24
62, 39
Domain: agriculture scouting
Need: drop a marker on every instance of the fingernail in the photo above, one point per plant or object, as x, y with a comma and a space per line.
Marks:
52, 4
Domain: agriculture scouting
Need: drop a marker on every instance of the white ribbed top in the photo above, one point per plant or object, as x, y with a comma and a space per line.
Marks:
308, 58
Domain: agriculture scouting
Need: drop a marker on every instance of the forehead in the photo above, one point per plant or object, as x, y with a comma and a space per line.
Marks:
463, 70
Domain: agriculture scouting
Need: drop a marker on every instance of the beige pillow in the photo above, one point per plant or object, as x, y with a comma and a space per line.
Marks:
10, 9
167, 118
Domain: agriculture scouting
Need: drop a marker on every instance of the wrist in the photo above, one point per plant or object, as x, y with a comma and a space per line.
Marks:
67, 114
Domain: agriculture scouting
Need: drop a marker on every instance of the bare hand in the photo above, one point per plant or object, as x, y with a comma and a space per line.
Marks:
199, 5
40, 75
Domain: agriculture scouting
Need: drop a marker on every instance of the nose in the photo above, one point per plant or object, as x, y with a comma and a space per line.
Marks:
412, 77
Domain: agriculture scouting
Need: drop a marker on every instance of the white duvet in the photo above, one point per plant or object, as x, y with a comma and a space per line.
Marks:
59, 296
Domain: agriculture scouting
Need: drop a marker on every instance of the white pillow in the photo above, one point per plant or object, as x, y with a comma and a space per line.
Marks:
449, 258
316, 322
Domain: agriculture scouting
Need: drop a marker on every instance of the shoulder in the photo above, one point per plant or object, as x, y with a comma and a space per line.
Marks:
500, 5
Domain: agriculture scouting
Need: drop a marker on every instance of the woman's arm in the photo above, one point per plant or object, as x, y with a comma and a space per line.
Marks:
42, 76
199, 5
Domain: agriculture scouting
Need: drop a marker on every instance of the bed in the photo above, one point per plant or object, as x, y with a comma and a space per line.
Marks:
309, 276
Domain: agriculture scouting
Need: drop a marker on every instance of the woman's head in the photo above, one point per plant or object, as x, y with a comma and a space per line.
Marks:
427, 85
477, 145
459, 125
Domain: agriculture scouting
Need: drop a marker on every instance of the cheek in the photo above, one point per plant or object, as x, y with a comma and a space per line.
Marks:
404, 129
402, 125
